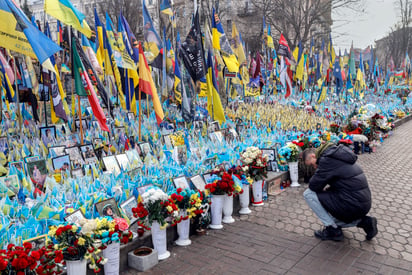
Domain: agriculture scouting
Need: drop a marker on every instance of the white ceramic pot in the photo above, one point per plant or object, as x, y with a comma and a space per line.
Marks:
159, 241
112, 254
257, 193
294, 173
228, 209
244, 200
183, 230
216, 211
76, 267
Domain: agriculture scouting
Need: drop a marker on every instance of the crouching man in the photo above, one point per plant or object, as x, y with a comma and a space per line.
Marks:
338, 192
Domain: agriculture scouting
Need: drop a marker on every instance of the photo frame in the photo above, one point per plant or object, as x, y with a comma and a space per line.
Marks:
123, 161
12, 183
75, 156
206, 177
213, 127
168, 142
75, 217
143, 188
131, 116
37, 170
37, 242
84, 124
97, 143
4, 145
88, 153
111, 165
199, 182
271, 153
108, 208
19, 165
318, 127
61, 163
181, 182
294, 128
6, 114
180, 154
134, 157
145, 148
77, 172
57, 151
48, 132
133, 172
127, 207
73, 140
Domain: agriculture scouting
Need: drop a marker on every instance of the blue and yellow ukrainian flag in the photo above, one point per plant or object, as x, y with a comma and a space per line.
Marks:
214, 105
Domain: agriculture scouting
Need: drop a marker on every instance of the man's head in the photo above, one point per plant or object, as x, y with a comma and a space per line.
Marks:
309, 157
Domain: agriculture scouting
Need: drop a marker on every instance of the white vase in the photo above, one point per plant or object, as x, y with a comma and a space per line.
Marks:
159, 241
294, 173
216, 211
76, 267
257, 193
183, 229
228, 209
112, 254
244, 200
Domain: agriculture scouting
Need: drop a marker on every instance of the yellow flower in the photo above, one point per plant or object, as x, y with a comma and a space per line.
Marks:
169, 208
74, 228
81, 241
163, 226
52, 231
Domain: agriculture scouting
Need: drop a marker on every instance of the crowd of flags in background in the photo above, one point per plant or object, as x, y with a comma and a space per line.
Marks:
116, 64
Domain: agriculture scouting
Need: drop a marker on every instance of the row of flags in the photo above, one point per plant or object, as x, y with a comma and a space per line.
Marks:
116, 64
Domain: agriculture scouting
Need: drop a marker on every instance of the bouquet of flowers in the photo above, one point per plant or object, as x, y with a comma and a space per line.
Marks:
290, 152
156, 206
256, 163
75, 245
189, 201
334, 128
221, 183
23, 260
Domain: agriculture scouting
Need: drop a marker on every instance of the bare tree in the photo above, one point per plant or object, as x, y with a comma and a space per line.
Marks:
300, 19
130, 9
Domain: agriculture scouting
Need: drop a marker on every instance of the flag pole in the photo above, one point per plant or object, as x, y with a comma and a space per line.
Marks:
17, 95
80, 118
140, 115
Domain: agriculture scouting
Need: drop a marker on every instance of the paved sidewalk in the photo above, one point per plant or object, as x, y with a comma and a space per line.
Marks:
278, 237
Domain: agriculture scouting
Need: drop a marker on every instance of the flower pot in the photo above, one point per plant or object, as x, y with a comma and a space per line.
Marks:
112, 254
257, 193
228, 209
159, 241
76, 267
216, 211
294, 173
244, 200
142, 259
183, 229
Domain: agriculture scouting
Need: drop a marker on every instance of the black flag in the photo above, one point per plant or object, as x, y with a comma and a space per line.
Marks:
191, 51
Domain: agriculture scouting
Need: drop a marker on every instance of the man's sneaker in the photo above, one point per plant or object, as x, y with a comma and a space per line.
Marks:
369, 225
330, 233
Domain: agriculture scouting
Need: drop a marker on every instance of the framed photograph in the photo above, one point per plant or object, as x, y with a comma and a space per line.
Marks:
12, 183
84, 124
168, 142
48, 134
37, 171
4, 145
294, 128
75, 155
77, 172
6, 114
199, 182
207, 177
318, 127
37, 242
123, 161
97, 142
111, 165
134, 172
217, 136
131, 116
127, 206
108, 208
213, 127
75, 217
271, 153
61, 163
88, 153
134, 158
198, 124
73, 140
145, 148
18, 165
181, 182
231, 135
57, 151
119, 131
180, 154
143, 188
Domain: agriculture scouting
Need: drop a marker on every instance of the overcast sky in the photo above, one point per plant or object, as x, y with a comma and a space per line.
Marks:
365, 27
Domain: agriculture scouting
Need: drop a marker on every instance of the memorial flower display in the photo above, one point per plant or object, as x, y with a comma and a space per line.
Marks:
256, 162
189, 201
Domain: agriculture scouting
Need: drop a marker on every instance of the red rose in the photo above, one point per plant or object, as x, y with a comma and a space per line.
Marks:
58, 256
36, 255
40, 269
21, 273
59, 231
20, 263
179, 198
3, 264
301, 144
72, 251
10, 246
179, 190
27, 245
173, 196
